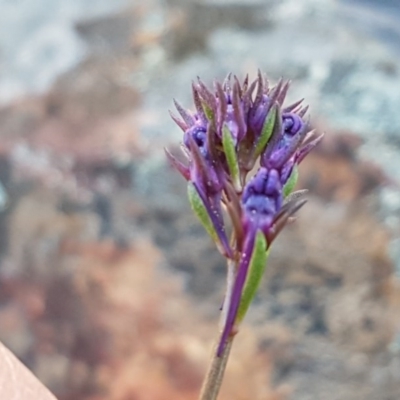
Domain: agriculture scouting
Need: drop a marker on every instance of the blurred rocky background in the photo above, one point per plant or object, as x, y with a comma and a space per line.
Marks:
109, 288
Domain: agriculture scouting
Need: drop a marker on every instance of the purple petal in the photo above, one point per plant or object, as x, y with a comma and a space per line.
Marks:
279, 157
292, 124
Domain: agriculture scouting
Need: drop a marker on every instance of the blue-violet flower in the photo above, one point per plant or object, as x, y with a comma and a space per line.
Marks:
242, 148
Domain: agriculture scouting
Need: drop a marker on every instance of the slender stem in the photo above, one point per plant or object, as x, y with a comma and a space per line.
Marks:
215, 373
230, 280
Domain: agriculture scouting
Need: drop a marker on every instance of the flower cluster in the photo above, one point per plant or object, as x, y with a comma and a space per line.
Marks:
242, 148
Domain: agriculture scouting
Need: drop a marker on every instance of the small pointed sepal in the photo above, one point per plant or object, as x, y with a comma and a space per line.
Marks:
201, 212
209, 219
266, 132
181, 168
231, 157
291, 182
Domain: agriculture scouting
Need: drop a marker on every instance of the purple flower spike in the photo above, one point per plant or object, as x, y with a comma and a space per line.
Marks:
234, 127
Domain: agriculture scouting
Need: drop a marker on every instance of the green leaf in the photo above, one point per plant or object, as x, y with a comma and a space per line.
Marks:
291, 182
201, 212
266, 132
231, 158
256, 270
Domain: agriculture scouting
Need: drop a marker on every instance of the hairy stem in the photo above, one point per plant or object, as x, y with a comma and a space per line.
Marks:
215, 373
230, 280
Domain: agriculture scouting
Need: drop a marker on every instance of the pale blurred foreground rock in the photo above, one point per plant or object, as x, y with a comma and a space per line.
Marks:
17, 382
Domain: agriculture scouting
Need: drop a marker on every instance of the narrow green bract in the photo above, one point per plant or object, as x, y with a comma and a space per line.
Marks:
200, 210
256, 270
291, 182
266, 132
207, 111
231, 158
